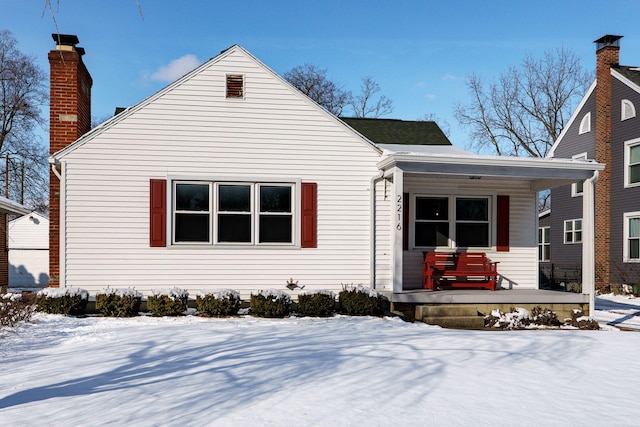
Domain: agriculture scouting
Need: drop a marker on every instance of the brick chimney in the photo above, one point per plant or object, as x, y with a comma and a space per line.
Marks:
69, 119
607, 56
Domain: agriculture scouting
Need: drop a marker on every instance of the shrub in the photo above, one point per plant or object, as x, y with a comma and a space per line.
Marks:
172, 302
580, 321
225, 302
119, 302
14, 309
521, 318
320, 303
270, 303
360, 301
62, 300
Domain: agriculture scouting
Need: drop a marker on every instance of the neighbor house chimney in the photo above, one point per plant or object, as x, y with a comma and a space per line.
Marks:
69, 119
607, 56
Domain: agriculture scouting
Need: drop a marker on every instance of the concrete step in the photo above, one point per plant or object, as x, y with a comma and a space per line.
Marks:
456, 322
448, 310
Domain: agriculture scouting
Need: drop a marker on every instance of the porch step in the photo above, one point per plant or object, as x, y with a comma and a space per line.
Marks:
450, 316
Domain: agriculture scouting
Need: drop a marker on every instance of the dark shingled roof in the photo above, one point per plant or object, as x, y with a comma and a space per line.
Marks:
632, 73
392, 131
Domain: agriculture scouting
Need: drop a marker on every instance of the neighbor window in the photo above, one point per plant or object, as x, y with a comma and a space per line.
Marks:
443, 221
573, 231
577, 188
632, 163
544, 244
632, 237
233, 213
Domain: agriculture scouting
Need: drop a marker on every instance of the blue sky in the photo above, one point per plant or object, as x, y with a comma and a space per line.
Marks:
418, 51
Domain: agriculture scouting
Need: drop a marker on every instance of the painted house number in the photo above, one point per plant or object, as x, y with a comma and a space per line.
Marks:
399, 212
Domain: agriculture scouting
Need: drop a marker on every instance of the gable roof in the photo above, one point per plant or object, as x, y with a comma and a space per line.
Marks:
123, 113
393, 131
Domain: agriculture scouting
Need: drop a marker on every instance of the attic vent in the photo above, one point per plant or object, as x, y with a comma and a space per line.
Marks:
235, 86
585, 124
628, 109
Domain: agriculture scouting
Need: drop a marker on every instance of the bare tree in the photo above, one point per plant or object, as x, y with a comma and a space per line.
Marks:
365, 104
23, 91
313, 82
524, 111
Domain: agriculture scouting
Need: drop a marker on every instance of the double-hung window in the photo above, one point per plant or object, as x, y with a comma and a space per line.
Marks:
632, 163
577, 188
573, 231
233, 213
632, 237
544, 243
192, 212
450, 221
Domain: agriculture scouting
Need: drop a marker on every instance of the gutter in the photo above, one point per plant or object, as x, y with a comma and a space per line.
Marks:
372, 231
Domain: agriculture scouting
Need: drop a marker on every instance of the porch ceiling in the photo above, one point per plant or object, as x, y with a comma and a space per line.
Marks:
545, 172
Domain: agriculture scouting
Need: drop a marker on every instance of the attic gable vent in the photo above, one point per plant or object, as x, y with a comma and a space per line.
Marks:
585, 124
628, 109
235, 86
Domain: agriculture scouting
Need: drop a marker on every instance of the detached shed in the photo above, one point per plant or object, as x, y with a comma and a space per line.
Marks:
28, 244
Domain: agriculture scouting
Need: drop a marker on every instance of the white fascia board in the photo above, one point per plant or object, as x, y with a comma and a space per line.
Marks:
572, 119
521, 167
9, 206
625, 80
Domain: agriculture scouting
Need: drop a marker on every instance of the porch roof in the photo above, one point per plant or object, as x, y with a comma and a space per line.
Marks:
450, 160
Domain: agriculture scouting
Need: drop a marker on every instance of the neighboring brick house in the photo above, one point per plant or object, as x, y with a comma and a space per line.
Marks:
604, 127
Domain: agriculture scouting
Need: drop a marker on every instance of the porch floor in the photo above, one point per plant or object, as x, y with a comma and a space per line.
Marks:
483, 296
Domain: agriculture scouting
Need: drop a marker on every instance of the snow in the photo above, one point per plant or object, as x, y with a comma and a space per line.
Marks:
339, 371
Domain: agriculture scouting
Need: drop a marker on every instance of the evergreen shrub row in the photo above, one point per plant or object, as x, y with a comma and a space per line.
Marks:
352, 300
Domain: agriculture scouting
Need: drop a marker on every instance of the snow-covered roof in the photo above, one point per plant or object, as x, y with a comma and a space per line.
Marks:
9, 206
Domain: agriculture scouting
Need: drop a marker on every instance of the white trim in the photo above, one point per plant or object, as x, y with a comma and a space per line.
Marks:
625, 236
626, 81
585, 124
574, 186
627, 159
627, 110
573, 117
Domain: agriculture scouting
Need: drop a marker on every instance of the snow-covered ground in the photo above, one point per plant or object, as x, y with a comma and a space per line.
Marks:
341, 371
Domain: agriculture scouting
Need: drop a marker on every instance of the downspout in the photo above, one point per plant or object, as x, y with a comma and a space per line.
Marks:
372, 231
588, 243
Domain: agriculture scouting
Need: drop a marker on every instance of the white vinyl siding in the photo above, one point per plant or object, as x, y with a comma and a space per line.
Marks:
191, 132
518, 266
383, 235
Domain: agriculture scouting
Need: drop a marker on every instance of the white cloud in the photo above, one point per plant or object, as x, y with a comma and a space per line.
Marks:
448, 77
430, 96
176, 68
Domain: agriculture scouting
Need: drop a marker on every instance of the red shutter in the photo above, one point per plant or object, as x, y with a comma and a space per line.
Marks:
502, 243
158, 213
309, 204
405, 221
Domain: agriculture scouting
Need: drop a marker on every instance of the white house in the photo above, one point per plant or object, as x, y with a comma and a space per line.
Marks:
230, 177
28, 243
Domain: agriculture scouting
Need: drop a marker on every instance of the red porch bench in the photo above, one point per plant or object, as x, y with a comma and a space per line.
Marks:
459, 270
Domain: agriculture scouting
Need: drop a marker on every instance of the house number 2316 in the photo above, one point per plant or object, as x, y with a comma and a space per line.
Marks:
399, 213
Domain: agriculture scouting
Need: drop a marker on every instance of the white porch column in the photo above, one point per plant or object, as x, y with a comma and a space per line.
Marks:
588, 243
397, 224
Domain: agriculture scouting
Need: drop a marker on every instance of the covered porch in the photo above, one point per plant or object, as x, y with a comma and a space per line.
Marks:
419, 175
